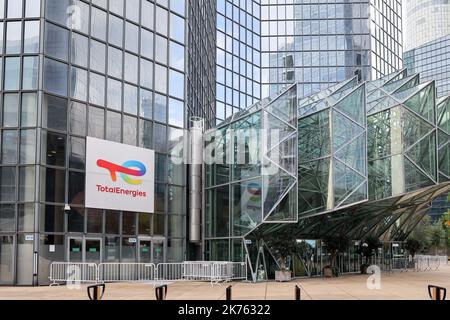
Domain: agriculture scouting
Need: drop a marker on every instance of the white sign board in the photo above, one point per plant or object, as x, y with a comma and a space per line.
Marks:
119, 177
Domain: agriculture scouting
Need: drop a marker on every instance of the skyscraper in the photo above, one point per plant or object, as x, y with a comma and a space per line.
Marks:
265, 45
424, 21
113, 70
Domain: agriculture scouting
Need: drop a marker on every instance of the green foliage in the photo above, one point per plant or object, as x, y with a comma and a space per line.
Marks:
432, 235
283, 244
413, 246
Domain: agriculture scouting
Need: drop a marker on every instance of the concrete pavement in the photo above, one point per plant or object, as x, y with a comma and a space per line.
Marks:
394, 286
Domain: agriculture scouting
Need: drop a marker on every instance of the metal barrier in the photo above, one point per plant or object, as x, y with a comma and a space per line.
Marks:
126, 272
238, 271
429, 263
76, 272
169, 272
198, 271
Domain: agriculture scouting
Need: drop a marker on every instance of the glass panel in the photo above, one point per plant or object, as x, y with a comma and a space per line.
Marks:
79, 50
96, 126
115, 30
112, 222
247, 153
10, 141
26, 218
218, 212
29, 110
145, 251
93, 250
112, 249
128, 250
76, 188
145, 224
7, 259
78, 88
98, 56
56, 41
8, 216
13, 37
114, 126
54, 113
313, 178
11, 110
55, 77
24, 261
75, 250
98, 24
28, 147
53, 219
30, 73
53, 181
75, 220
31, 36
12, 73
97, 89
247, 206
129, 223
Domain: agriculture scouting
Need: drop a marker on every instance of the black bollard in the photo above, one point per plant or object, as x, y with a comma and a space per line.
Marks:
161, 292
437, 293
228, 298
298, 293
95, 289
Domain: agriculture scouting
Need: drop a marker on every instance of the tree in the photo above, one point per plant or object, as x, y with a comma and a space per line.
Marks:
283, 244
413, 246
336, 245
437, 236
446, 226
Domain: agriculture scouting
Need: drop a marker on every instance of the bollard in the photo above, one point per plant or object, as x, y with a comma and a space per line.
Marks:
228, 298
298, 293
96, 292
161, 292
437, 293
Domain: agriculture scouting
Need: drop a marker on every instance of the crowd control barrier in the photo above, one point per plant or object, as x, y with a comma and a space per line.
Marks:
212, 271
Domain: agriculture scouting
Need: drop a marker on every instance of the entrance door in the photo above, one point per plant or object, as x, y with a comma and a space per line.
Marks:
76, 249
158, 250
151, 250
145, 250
85, 250
93, 250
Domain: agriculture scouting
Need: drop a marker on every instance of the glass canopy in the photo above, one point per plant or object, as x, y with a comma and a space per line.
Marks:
357, 159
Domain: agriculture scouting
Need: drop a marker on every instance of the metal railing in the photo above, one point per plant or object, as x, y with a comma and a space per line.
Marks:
213, 271
429, 263
169, 272
75, 272
126, 272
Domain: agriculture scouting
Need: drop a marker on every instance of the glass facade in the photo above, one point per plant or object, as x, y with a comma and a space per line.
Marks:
238, 79
432, 61
201, 64
369, 158
425, 21
112, 70
321, 44
263, 46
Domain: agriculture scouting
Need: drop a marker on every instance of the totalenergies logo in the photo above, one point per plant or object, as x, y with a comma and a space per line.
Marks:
254, 189
127, 170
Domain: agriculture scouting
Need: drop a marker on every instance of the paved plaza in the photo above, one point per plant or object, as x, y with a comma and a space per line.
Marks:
394, 286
